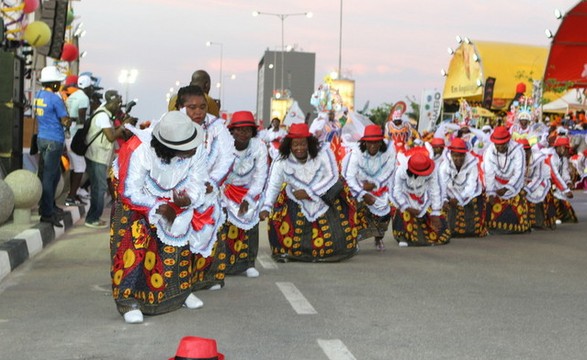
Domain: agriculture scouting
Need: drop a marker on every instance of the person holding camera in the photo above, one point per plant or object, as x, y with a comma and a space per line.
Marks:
100, 137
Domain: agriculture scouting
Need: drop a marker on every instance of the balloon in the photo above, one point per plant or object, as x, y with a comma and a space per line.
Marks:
37, 34
69, 52
30, 6
70, 16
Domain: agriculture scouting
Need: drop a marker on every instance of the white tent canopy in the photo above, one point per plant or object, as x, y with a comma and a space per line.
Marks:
572, 100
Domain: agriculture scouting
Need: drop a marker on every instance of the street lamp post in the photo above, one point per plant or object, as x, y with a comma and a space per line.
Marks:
126, 78
282, 17
219, 85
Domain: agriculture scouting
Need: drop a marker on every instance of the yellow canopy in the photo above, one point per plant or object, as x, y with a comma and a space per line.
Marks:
509, 64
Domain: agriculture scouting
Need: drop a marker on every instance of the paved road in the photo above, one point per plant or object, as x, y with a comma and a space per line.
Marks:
516, 297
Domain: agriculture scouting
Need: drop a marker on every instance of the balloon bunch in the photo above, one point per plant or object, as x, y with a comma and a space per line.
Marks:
36, 33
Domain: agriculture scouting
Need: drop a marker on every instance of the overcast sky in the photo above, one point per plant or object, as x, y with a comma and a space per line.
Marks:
391, 48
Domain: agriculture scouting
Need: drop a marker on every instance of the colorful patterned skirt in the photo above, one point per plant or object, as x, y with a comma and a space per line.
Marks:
209, 271
508, 216
543, 214
468, 220
418, 231
242, 247
147, 275
373, 225
331, 237
564, 211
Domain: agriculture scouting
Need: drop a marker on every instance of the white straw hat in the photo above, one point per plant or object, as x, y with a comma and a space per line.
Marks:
178, 132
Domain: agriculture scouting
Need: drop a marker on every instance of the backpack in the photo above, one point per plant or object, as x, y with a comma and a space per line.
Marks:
78, 142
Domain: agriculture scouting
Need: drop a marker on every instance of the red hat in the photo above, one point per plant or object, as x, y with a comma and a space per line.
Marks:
420, 164
71, 80
562, 141
297, 131
458, 145
437, 142
372, 133
585, 152
194, 348
242, 119
524, 143
500, 135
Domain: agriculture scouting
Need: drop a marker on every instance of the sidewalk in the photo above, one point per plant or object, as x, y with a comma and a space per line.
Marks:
21, 242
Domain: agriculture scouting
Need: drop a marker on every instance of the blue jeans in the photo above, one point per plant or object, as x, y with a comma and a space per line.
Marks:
99, 185
50, 152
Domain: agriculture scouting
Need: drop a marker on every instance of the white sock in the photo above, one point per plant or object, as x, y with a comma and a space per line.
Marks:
215, 287
252, 272
193, 302
403, 244
133, 317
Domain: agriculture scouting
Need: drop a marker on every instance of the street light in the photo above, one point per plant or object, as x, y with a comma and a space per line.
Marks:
126, 78
219, 84
282, 17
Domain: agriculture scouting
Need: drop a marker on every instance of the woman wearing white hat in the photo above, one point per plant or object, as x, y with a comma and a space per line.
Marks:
160, 219
52, 117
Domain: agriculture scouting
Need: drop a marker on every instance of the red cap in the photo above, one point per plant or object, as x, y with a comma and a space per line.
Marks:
521, 88
500, 135
562, 141
524, 143
242, 119
458, 145
71, 80
420, 164
437, 142
193, 347
297, 131
372, 133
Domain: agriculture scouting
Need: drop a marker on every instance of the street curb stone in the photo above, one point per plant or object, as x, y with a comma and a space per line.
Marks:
30, 242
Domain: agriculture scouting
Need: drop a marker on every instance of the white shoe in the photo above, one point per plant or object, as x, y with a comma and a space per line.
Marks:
403, 244
558, 222
252, 272
215, 287
193, 302
133, 317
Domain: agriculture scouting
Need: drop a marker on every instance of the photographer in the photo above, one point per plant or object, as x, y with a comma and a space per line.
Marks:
101, 136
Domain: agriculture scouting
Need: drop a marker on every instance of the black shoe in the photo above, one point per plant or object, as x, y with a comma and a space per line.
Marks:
52, 220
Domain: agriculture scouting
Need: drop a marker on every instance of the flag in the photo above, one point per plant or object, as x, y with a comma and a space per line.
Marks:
294, 115
429, 109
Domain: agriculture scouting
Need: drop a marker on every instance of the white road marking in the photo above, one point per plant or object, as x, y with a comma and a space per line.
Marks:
296, 299
335, 349
266, 262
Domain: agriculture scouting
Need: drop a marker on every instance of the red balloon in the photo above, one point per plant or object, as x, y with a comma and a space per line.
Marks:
69, 53
30, 6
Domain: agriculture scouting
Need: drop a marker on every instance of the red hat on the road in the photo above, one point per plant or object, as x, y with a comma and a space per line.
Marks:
297, 131
242, 119
193, 347
437, 142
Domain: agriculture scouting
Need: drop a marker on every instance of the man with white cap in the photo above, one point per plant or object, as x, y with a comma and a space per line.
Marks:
78, 104
52, 119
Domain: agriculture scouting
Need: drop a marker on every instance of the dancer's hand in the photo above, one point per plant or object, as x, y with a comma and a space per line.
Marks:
167, 212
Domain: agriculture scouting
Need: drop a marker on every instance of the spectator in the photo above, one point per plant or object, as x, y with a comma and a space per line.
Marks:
52, 118
78, 104
99, 154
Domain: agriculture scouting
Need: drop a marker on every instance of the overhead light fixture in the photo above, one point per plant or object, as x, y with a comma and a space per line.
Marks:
548, 33
451, 51
558, 14
459, 40
476, 57
479, 83
467, 40
83, 54
443, 72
